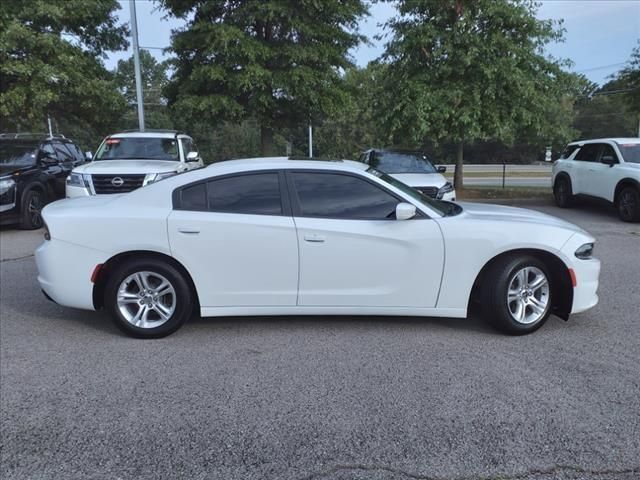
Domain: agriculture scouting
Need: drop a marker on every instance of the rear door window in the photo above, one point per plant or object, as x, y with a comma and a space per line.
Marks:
588, 153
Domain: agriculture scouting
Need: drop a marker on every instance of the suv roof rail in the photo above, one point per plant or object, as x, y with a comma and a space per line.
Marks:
30, 135
150, 130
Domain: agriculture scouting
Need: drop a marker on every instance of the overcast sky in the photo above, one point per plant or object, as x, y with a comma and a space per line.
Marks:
600, 34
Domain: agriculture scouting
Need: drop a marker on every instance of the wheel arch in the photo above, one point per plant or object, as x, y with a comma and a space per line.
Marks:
564, 175
109, 266
562, 287
625, 182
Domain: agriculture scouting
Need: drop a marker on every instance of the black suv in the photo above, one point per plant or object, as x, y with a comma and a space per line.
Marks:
33, 169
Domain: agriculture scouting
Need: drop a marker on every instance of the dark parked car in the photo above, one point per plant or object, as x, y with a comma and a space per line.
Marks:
33, 169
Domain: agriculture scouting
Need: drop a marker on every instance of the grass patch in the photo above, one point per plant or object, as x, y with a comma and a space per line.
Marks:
498, 193
542, 174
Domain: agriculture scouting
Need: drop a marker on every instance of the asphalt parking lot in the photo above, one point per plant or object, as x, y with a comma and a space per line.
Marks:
323, 398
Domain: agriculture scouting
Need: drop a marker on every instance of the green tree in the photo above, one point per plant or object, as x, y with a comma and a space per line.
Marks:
629, 80
154, 80
50, 63
276, 61
468, 70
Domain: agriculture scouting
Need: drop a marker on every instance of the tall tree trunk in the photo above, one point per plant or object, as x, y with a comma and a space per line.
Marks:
266, 141
457, 176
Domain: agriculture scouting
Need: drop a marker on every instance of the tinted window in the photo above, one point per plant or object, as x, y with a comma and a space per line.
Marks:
396, 162
257, 194
128, 148
608, 151
76, 152
17, 154
588, 153
569, 149
64, 155
342, 196
194, 197
630, 152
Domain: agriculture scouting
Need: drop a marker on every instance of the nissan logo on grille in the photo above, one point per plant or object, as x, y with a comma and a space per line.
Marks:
117, 182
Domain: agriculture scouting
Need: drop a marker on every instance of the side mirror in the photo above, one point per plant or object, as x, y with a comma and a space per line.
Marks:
608, 160
88, 156
442, 169
193, 157
405, 211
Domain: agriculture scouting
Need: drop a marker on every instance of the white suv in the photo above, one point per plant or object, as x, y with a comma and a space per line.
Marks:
607, 168
129, 160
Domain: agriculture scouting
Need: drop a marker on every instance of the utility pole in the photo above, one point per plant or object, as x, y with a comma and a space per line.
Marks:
136, 63
49, 123
310, 141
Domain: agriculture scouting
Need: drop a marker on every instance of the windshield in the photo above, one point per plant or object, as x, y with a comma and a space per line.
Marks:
17, 154
398, 162
138, 148
443, 208
630, 152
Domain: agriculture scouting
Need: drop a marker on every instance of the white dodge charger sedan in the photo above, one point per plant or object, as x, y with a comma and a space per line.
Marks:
273, 236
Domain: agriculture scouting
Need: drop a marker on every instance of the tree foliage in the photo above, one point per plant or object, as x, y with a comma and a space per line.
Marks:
154, 80
466, 70
50, 63
276, 61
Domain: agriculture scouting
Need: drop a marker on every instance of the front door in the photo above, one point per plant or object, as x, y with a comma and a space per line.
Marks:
584, 162
600, 181
235, 236
353, 252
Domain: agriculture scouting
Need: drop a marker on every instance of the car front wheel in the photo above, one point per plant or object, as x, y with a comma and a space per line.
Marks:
32, 205
629, 204
148, 298
517, 295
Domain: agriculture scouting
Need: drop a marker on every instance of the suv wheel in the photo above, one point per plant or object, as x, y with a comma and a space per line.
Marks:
32, 205
517, 295
629, 204
148, 298
562, 192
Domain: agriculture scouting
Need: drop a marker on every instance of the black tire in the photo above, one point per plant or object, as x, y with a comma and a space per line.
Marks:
563, 193
33, 201
495, 291
182, 308
628, 204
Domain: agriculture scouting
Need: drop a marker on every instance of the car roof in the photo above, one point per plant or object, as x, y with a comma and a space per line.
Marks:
279, 163
148, 134
628, 140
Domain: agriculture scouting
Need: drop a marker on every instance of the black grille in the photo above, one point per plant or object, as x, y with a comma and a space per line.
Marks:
112, 183
429, 191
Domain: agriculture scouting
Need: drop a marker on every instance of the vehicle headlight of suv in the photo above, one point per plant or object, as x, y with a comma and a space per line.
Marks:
156, 177
78, 180
6, 184
446, 188
585, 252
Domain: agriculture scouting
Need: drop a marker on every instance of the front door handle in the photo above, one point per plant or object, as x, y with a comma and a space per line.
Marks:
314, 238
192, 231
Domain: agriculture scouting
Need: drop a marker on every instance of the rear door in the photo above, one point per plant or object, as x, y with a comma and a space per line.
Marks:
353, 252
236, 237
584, 162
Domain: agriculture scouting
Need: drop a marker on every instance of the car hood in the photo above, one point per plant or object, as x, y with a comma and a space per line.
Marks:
421, 179
128, 167
489, 212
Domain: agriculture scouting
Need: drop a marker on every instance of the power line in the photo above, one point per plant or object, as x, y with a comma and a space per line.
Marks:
600, 68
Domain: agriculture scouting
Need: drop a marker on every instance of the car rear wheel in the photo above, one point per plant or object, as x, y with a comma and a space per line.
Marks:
563, 193
32, 205
148, 298
629, 204
517, 295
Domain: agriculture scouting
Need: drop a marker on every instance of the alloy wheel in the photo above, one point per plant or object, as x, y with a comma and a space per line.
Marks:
528, 295
627, 204
35, 209
146, 299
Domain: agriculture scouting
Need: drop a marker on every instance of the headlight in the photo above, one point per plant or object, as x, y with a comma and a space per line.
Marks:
156, 177
6, 184
585, 252
446, 188
78, 180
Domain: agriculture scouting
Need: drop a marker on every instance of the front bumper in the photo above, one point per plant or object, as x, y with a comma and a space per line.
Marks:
585, 293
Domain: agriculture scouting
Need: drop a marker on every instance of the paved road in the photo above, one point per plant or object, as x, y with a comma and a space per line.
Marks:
324, 398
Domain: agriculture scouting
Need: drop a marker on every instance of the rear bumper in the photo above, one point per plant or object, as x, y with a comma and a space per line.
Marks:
64, 272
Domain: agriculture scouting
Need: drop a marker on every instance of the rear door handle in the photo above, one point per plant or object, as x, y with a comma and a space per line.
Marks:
192, 231
314, 238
